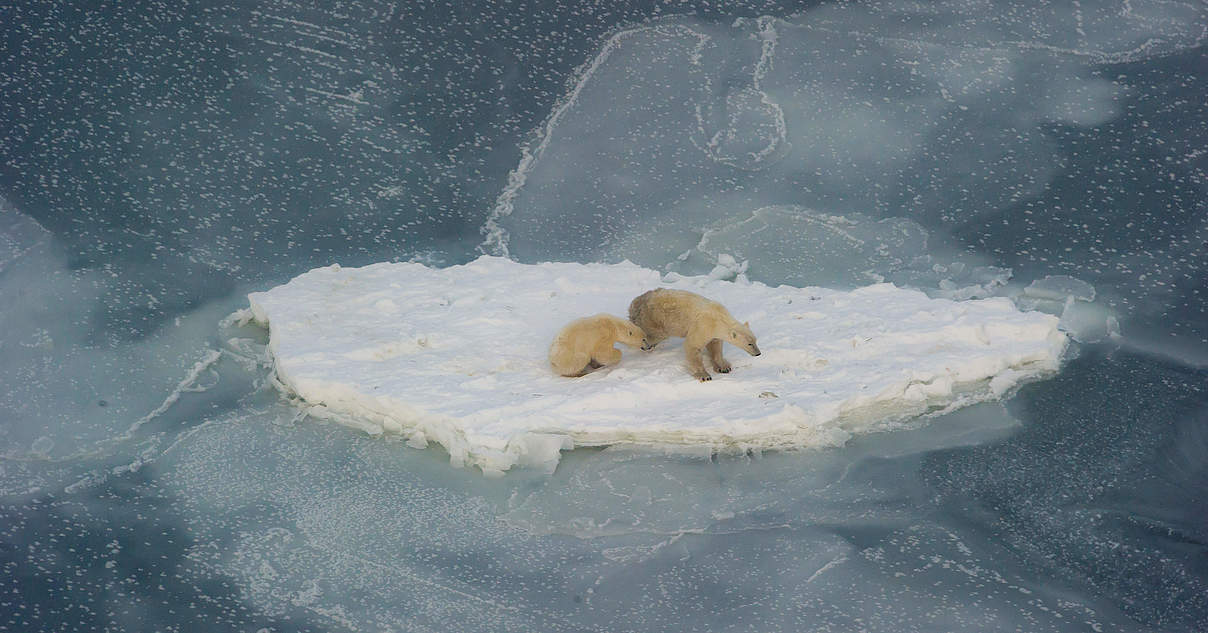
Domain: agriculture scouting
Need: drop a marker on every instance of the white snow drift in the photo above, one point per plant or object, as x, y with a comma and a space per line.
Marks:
458, 356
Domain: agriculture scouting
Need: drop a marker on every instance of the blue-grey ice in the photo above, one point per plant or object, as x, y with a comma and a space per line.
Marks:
159, 162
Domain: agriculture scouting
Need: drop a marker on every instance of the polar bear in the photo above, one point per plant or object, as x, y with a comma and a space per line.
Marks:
586, 344
702, 323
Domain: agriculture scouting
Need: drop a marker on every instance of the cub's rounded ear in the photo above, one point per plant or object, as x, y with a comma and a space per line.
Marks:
747, 323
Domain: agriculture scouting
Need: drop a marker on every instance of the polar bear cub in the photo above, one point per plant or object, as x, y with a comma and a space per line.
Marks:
586, 344
702, 323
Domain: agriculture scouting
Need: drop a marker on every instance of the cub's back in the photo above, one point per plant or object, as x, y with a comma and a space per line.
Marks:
597, 326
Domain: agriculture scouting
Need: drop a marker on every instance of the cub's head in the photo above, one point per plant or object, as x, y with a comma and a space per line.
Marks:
630, 334
741, 336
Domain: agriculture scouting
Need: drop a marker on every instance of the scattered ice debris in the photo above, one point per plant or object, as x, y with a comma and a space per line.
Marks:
1089, 322
960, 282
1060, 288
728, 268
1071, 299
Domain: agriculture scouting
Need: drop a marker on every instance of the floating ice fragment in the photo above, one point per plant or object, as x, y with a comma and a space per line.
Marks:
1088, 322
797, 245
1059, 288
42, 446
1071, 299
487, 395
728, 268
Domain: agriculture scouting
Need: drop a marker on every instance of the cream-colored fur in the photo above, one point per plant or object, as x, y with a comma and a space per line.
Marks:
703, 324
586, 344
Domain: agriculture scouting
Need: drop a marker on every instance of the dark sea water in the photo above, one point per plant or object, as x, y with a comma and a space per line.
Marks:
158, 161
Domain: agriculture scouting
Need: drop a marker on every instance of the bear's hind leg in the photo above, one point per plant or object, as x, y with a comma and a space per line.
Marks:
720, 364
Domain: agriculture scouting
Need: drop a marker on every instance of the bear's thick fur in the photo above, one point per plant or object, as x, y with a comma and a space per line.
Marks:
703, 324
586, 344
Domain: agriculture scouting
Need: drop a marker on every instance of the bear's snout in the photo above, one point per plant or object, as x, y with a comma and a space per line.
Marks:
753, 350
646, 346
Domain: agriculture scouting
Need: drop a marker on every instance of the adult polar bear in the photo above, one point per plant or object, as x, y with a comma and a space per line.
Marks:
703, 324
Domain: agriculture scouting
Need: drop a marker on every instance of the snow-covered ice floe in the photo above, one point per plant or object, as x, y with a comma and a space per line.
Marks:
457, 356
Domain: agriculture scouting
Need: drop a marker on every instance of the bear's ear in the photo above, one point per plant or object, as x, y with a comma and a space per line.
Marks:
747, 323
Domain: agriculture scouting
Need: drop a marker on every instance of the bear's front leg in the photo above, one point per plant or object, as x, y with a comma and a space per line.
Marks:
696, 365
720, 364
606, 355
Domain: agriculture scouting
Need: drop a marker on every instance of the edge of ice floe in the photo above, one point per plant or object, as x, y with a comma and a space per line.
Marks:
791, 427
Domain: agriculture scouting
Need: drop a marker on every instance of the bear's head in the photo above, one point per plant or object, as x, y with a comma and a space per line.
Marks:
630, 334
741, 336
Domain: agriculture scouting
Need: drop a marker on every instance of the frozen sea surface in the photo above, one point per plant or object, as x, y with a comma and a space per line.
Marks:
161, 161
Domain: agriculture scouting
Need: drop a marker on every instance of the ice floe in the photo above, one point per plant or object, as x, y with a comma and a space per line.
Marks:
457, 356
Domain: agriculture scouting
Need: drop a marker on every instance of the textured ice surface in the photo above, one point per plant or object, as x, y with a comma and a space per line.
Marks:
845, 108
458, 356
70, 392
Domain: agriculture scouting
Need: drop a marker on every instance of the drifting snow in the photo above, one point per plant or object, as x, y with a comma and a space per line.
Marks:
457, 356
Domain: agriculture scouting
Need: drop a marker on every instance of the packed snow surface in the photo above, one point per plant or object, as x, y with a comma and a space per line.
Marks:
458, 356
